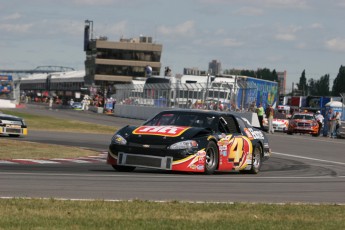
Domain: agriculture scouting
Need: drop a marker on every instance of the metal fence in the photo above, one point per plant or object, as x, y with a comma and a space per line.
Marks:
222, 96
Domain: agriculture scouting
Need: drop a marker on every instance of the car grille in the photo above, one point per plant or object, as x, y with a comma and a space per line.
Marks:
303, 124
145, 161
11, 130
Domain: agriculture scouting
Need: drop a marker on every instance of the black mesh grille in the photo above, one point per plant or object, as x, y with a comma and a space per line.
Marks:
303, 124
145, 161
10, 130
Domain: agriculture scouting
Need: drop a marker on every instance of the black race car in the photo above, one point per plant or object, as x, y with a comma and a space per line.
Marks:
190, 141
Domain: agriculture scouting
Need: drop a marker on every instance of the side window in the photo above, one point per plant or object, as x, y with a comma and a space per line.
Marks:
241, 123
231, 124
222, 126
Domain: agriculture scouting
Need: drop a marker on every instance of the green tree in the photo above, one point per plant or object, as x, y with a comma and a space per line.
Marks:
339, 82
249, 73
319, 87
312, 90
232, 71
302, 85
323, 86
274, 76
264, 74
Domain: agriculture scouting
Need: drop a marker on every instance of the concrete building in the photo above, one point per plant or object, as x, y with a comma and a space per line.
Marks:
108, 62
282, 82
215, 67
194, 71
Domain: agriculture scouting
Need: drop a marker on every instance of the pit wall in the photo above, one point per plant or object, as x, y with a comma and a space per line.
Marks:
7, 103
145, 112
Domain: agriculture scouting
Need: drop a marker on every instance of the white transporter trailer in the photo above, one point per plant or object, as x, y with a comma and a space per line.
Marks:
207, 89
191, 91
159, 91
223, 89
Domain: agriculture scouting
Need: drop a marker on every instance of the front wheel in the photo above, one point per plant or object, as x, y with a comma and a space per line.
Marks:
122, 168
211, 162
256, 159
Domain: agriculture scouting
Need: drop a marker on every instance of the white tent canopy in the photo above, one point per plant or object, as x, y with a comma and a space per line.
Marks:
335, 104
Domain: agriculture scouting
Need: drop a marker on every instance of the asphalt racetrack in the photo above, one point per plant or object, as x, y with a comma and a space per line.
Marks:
302, 169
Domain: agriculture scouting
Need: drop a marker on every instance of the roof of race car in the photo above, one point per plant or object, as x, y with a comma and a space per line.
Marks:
210, 112
304, 113
10, 117
206, 112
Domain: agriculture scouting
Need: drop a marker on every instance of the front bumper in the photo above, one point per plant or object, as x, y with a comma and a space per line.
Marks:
279, 128
13, 131
304, 131
191, 163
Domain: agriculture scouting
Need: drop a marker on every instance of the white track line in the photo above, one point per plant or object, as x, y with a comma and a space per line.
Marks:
309, 158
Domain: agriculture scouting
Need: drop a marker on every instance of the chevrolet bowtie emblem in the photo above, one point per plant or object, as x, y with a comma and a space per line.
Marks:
146, 146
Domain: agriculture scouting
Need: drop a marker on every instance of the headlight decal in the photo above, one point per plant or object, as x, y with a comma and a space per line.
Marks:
189, 144
118, 139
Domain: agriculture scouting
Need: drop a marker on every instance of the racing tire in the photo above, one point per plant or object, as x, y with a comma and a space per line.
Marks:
288, 133
212, 156
256, 160
121, 168
14, 135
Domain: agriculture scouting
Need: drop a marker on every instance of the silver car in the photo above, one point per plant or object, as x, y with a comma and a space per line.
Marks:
12, 125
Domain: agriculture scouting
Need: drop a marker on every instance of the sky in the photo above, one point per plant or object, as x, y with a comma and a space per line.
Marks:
285, 35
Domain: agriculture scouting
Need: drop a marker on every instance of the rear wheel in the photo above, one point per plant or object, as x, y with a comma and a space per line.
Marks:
122, 168
256, 159
14, 135
212, 156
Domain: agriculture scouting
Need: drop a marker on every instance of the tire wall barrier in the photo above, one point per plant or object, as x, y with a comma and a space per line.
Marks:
146, 112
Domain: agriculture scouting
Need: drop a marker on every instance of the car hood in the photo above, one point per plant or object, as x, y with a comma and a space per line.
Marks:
280, 121
162, 134
303, 120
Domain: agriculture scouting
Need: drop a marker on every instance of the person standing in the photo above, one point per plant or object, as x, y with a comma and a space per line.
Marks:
319, 119
337, 123
331, 123
51, 103
270, 115
260, 111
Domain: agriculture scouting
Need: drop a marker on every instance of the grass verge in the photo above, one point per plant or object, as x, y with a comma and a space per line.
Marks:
56, 214
12, 149
36, 122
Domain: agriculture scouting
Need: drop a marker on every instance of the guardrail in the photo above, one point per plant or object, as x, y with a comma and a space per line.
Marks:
145, 112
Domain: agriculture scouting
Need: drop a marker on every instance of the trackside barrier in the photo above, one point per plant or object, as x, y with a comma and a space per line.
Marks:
7, 103
145, 112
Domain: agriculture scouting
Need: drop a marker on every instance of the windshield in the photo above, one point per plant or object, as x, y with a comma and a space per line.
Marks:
303, 116
183, 119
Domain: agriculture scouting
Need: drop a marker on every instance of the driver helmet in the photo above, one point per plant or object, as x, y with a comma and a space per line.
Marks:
317, 112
